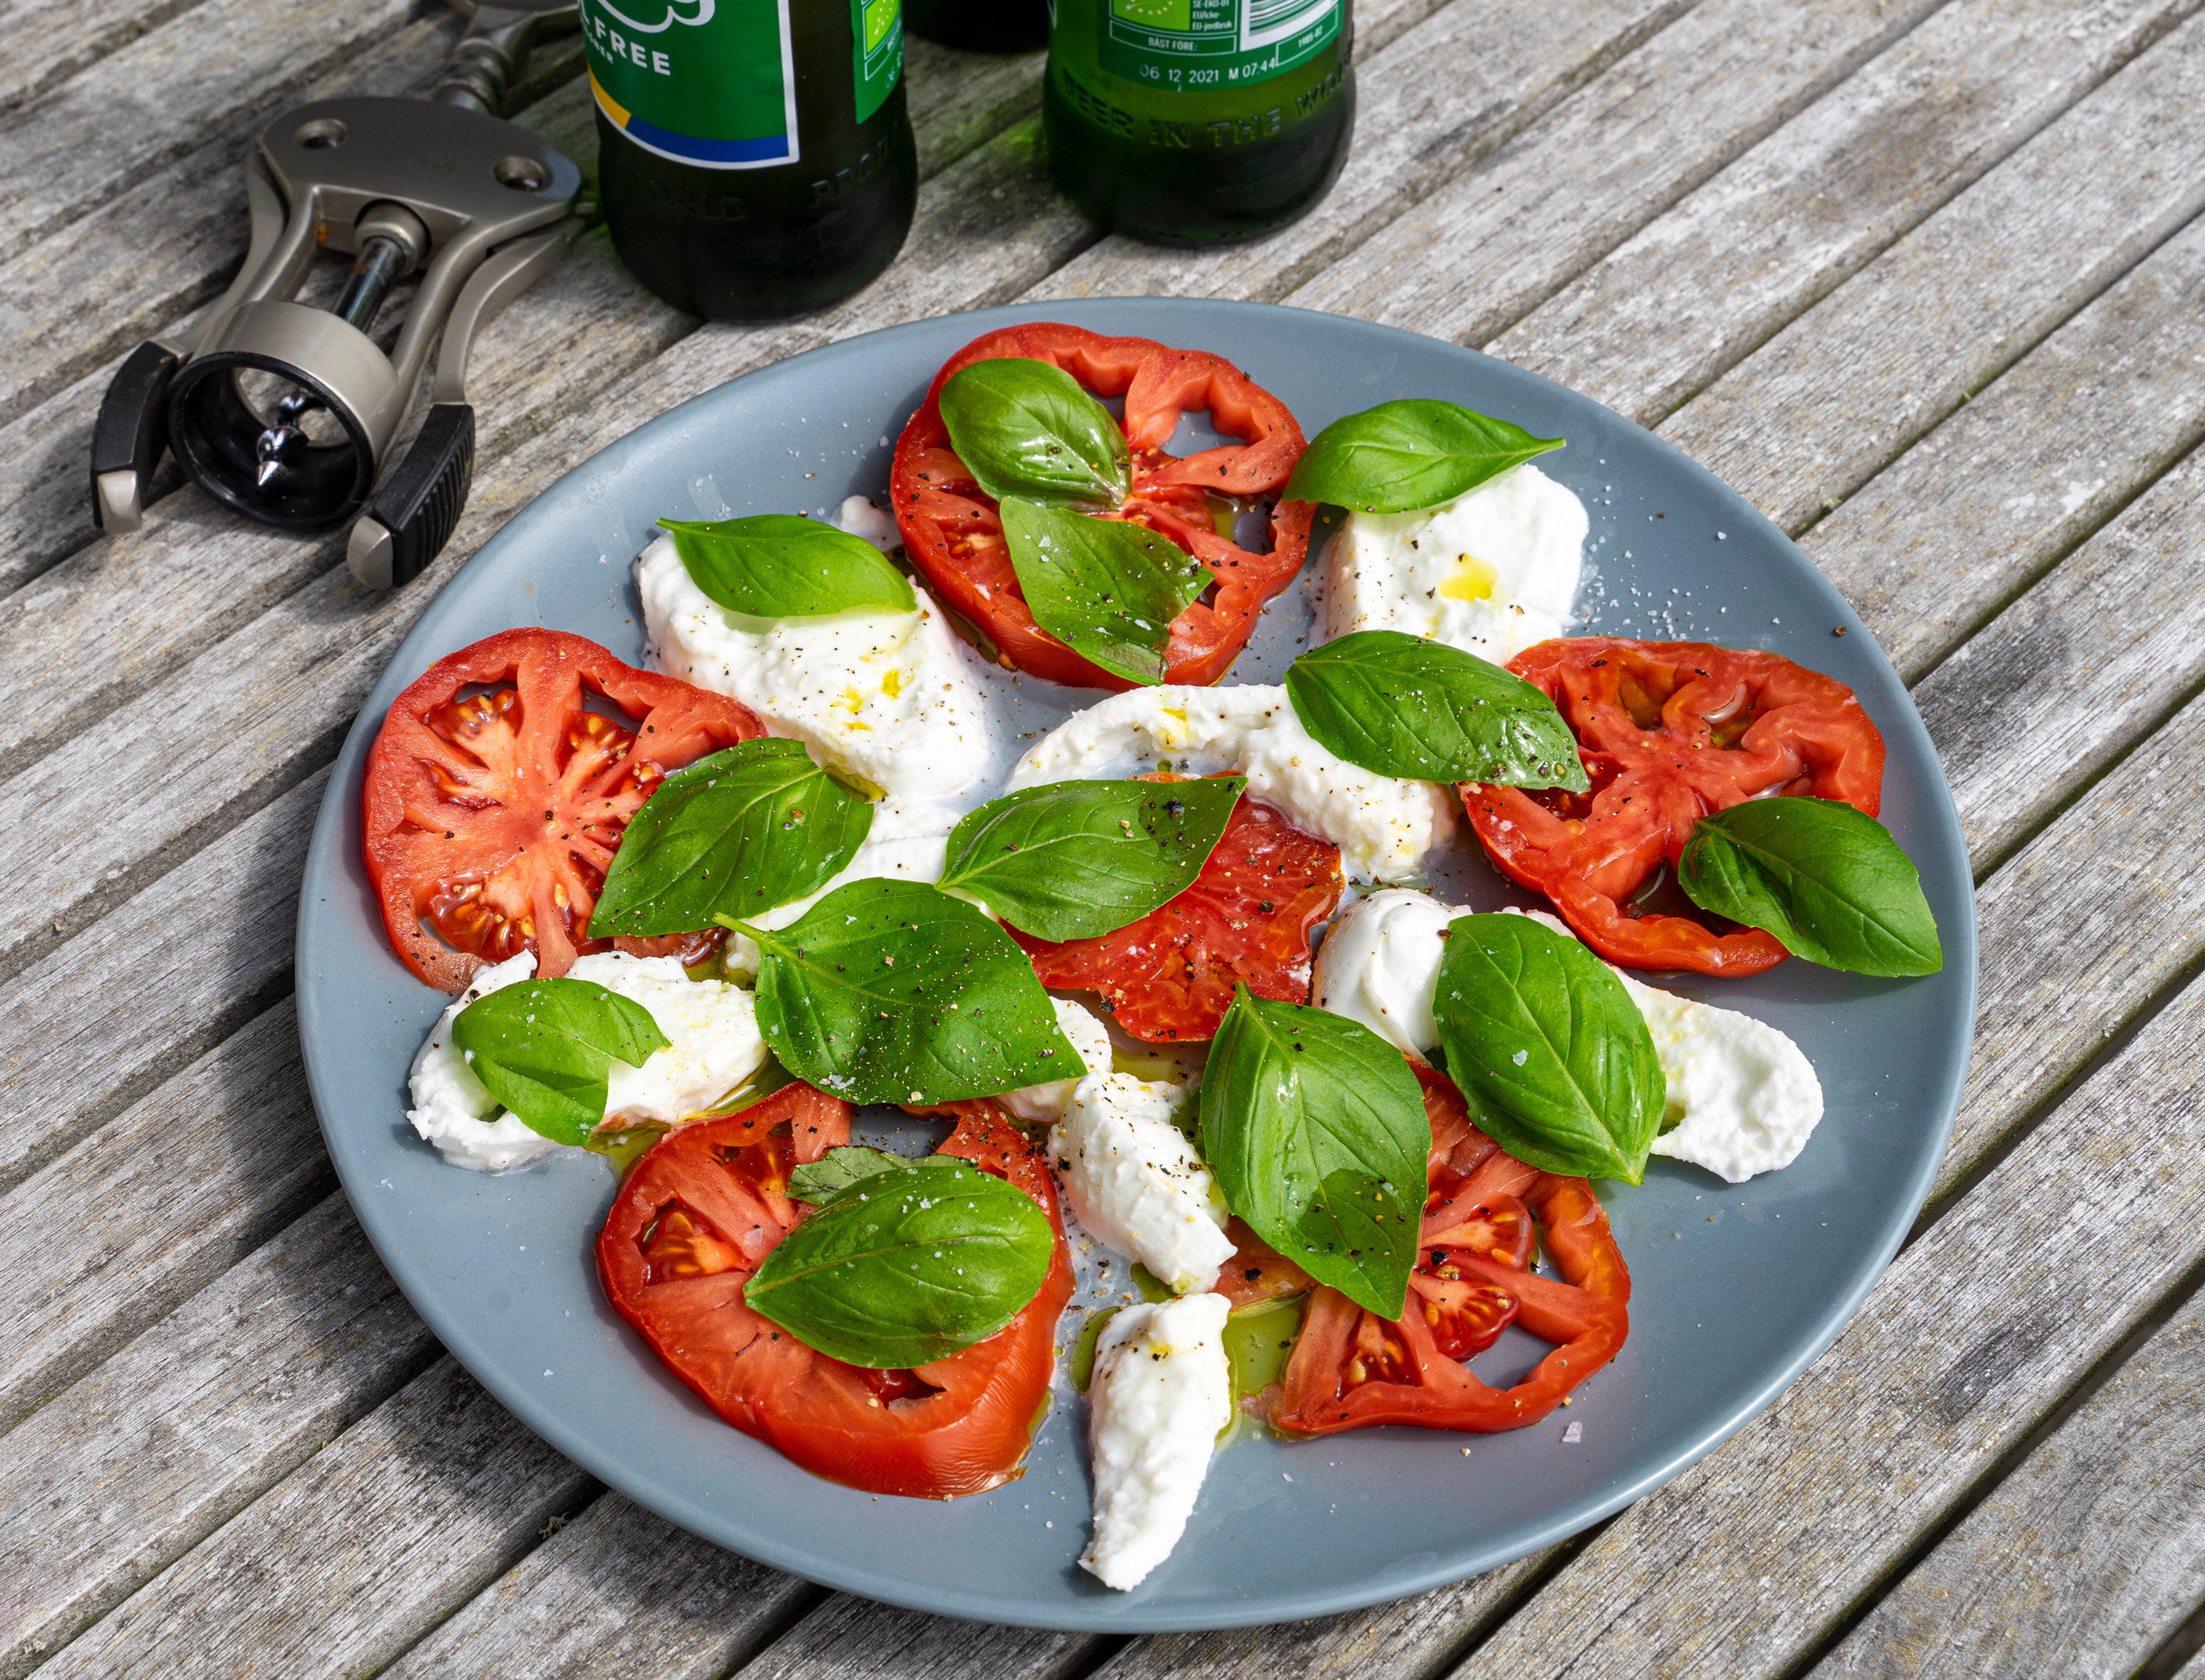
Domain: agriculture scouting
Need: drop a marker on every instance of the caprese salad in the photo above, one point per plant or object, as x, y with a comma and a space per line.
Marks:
1174, 982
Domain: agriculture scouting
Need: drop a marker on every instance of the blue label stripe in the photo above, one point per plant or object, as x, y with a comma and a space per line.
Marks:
770, 149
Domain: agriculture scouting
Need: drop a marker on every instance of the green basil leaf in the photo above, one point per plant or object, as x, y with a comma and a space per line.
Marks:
785, 566
907, 1267
1548, 1047
739, 833
1072, 860
893, 991
1105, 588
1025, 428
543, 1048
1402, 706
1415, 453
1316, 1131
1830, 883
840, 1168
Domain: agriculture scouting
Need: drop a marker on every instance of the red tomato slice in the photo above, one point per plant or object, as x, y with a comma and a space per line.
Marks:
707, 1204
1352, 1368
1246, 920
492, 816
952, 532
1668, 731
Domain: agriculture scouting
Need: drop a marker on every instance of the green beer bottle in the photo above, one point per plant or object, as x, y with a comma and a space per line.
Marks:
981, 26
754, 157
1190, 122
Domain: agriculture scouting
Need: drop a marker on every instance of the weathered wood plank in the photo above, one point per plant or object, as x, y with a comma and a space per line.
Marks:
2083, 1562
961, 101
1740, 1563
150, 1454
848, 1636
43, 43
616, 1595
1850, 385
1508, 64
1693, 293
1500, 240
397, 1523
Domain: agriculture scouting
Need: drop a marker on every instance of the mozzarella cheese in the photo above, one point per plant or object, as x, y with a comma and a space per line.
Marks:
714, 1045
1741, 1097
887, 698
1491, 572
1044, 1104
863, 518
1133, 1179
1384, 826
1162, 1394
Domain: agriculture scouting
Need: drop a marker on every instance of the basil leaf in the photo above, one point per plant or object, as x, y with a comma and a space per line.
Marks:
893, 991
1830, 883
543, 1048
1103, 587
784, 566
1316, 1131
840, 1168
1402, 706
1548, 1047
905, 1268
739, 833
1415, 453
1025, 428
1072, 860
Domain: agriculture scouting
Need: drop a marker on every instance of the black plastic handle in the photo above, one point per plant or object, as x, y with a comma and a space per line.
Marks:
132, 427
419, 504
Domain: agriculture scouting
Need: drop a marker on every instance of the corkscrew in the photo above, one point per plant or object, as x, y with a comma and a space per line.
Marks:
286, 411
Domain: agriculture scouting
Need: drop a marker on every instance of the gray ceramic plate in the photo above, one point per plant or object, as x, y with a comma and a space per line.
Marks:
1735, 1289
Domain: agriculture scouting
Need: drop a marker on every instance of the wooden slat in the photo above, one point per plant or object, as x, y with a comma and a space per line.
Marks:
1496, 242
961, 101
1508, 64
1739, 1564
144, 1459
848, 1636
1853, 382
616, 1595
390, 1528
43, 43
2083, 1561
1694, 292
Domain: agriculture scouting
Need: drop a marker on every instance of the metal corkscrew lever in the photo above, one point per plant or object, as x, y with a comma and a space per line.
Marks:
284, 411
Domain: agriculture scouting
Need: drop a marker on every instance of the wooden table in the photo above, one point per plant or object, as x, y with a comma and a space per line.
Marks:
1923, 277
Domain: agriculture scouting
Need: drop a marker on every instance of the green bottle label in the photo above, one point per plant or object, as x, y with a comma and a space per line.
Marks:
1208, 46
713, 82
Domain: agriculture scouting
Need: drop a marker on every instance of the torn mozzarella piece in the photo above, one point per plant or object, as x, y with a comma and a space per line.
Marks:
1044, 1104
1380, 965
1162, 1393
1134, 1180
864, 519
1383, 826
451, 1108
1491, 572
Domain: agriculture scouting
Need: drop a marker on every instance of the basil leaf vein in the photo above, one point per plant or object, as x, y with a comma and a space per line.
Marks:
838, 1169
1106, 588
1402, 706
1072, 860
1547, 1047
904, 1267
1414, 452
545, 1049
893, 991
1827, 880
739, 833
1316, 1131
785, 566
1026, 427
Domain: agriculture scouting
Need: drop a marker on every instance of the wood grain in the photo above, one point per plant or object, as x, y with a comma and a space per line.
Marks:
140, 1462
2083, 1561
1692, 293
850, 1636
45, 42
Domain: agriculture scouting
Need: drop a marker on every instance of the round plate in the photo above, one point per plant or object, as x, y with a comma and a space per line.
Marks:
1736, 1289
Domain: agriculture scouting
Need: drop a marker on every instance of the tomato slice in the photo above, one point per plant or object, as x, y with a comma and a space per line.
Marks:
492, 816
1668, 731
1245, 920
1352, 1368
707, 1204
952, 533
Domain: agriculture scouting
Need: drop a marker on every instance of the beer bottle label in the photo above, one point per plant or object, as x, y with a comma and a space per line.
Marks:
1211, 45
713, 82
